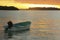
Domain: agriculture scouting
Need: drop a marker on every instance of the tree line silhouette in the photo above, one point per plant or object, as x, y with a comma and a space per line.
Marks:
8, 8
34, 8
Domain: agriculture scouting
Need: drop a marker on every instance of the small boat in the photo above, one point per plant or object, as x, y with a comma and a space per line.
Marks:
20, 26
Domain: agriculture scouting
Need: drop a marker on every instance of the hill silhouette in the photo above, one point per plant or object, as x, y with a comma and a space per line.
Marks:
34, 8
43, 8
8, 8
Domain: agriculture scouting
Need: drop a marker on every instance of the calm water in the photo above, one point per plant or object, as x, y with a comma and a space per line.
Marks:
45, 24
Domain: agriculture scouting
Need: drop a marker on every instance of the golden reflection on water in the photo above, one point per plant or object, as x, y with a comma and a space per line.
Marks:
41, 24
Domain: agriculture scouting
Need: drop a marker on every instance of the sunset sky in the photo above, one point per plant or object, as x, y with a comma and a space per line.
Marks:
25, 4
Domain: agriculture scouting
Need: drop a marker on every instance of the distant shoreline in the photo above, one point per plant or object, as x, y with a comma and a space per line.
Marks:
34, 8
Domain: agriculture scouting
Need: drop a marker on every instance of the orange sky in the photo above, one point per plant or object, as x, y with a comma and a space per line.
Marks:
40, 1
26, 3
